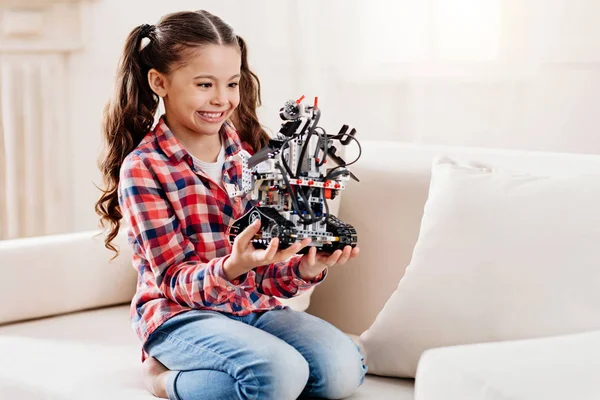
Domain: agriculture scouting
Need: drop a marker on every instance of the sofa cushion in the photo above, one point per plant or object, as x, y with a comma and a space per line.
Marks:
86, 355
555, 368
501, 255
95, 355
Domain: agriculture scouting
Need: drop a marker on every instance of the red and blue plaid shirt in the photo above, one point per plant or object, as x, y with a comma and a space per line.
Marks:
178, 221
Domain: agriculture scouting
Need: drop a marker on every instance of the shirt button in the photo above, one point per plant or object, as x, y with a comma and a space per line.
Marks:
229, 288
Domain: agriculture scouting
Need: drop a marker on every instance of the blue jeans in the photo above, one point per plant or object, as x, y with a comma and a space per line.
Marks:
278, 354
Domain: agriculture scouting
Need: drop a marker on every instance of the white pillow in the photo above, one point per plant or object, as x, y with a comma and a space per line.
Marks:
500, 256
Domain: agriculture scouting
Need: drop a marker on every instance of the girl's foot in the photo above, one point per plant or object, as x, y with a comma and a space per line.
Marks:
155, 377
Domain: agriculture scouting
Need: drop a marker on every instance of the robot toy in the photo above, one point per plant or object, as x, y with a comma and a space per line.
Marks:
287, 181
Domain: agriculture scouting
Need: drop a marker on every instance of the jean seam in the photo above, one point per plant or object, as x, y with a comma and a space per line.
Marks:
174, 388
221, 357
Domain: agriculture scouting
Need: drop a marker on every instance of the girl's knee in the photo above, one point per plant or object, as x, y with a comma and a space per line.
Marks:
281, 376
342, 373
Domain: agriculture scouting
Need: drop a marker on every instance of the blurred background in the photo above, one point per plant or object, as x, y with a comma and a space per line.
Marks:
519, 74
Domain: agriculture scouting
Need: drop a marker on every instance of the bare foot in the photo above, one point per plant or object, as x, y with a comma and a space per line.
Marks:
155, 377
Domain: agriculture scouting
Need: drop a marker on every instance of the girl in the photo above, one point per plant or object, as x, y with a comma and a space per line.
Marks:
206, 309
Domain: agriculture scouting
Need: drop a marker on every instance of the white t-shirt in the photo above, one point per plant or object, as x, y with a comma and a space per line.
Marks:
213, 170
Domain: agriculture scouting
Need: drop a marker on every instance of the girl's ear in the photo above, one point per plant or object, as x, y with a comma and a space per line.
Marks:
158, 82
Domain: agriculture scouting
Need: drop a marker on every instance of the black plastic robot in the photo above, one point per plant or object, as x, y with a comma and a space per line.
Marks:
286, 180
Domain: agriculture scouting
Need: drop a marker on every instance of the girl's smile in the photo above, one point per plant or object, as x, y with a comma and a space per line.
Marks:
213, 117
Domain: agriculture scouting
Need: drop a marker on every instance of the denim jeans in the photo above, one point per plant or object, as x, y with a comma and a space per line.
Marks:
280, 354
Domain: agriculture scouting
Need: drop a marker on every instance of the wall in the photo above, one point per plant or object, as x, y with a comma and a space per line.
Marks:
531, 82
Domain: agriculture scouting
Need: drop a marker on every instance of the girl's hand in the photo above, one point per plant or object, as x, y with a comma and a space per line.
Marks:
313, 263
245, 257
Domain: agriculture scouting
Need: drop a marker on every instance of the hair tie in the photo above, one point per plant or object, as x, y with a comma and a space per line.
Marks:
146, 30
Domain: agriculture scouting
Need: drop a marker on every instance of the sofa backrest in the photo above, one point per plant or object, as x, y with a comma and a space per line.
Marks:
386, 207
57, 274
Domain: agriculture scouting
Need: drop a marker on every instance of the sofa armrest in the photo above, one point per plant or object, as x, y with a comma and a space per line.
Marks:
57, 274
549, 368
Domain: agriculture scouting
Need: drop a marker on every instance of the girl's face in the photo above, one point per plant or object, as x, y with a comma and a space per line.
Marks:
200, 96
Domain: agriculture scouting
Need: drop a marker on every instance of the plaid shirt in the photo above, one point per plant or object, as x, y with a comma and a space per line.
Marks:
178, 222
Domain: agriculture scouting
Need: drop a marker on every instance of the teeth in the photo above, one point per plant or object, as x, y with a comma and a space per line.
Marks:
211, 115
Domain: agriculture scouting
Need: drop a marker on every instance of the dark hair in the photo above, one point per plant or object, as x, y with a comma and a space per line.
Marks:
129, 116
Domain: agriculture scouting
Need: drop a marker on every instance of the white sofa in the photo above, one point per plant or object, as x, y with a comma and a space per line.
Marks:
65, 330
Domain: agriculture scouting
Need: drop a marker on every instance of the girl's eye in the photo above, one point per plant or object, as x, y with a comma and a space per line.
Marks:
205, 85
234, 84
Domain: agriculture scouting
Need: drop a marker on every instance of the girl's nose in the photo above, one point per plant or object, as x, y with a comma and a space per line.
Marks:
220, 97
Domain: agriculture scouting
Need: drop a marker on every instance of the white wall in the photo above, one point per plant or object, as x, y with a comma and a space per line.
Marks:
512, 73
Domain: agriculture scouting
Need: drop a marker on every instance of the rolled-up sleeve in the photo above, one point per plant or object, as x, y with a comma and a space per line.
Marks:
283, 279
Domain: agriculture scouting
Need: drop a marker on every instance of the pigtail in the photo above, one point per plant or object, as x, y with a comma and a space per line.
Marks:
249, 128
128, 117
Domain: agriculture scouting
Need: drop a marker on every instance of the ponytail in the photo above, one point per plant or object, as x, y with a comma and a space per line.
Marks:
128, 117
249, 128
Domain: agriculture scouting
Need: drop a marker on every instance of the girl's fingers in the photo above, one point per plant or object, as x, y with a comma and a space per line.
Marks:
262, 257
312, 256
333, 258
243, 239
337, 257
296, 247
345, 255
272, 249
272, 255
